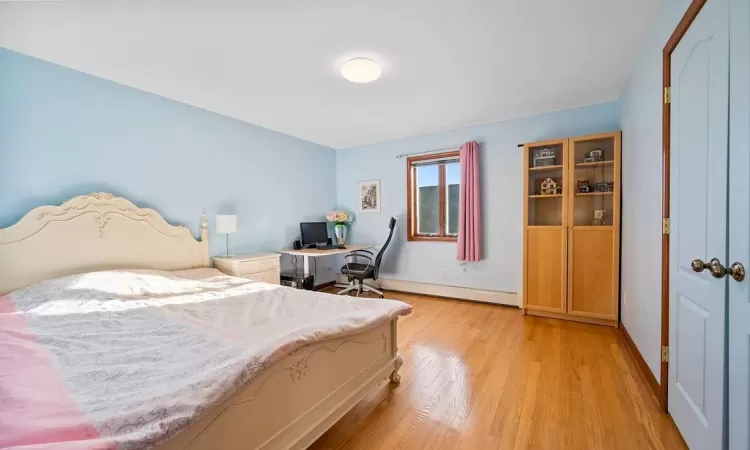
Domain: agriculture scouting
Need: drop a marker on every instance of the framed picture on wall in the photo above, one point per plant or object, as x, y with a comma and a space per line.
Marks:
369, 196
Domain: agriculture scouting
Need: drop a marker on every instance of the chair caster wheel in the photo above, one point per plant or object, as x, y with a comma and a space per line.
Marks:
380, 296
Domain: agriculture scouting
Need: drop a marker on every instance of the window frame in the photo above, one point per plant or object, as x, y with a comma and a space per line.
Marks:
411, 197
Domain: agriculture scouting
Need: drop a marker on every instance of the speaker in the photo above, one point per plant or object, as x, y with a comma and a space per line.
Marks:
308, 283
297, 245
288, 279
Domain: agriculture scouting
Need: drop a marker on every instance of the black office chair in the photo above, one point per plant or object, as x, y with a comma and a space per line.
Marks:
358, 272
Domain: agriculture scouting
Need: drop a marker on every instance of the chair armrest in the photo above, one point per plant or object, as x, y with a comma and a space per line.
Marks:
361, 251
355, 254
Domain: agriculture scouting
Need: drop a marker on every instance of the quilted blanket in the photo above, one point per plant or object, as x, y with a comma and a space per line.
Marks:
127, 359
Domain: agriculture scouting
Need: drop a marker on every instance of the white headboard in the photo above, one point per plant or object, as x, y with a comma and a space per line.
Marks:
94, 232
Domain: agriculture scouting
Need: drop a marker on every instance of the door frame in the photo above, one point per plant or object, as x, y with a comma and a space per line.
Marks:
679, 32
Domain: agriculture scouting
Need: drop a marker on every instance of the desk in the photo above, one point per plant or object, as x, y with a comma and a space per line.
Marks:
308, 253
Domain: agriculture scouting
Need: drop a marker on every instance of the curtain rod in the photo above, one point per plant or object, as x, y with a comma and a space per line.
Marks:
438, 150
434, 150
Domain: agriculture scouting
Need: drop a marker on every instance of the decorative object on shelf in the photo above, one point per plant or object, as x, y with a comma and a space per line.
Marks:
598, 217
583, 187
340, 220
226, 224
369, 196
595, 155
550, 187
604, 186
544, 157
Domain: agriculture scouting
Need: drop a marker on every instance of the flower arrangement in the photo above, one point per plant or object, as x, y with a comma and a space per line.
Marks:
340, 217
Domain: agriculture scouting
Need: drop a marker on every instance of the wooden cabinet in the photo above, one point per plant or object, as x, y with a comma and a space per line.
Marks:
572, 228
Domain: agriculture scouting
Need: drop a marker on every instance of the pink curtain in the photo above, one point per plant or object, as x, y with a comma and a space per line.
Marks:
469, 219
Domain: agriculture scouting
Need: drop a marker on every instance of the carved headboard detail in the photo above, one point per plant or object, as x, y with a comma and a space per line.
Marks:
94, 232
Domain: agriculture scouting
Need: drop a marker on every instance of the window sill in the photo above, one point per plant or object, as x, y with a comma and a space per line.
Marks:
418, 238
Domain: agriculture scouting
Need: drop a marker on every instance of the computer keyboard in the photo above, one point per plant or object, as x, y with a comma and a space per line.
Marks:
330, 247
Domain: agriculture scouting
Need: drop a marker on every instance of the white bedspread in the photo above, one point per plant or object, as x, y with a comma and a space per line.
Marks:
126, 359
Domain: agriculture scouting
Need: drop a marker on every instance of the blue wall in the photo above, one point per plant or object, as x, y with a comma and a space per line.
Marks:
501, 178
64, 133
640, 118
640, 107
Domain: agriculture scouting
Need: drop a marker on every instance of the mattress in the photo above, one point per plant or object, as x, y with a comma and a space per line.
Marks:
129, 358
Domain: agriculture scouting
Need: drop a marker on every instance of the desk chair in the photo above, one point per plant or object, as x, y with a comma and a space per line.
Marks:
358, 272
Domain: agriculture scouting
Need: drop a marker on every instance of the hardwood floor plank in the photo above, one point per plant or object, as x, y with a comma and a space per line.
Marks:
479, 376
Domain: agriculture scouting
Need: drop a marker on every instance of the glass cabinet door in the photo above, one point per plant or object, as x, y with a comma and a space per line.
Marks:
545, 174
594, 174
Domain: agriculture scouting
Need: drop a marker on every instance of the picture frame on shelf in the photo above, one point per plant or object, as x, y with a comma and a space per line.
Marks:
598, 217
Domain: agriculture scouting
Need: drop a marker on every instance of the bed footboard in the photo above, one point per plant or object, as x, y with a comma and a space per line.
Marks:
298, 398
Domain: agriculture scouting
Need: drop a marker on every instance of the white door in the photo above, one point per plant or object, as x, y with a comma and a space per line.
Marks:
739, 228
698, 202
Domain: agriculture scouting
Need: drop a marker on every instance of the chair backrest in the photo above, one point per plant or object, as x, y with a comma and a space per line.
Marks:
391, 225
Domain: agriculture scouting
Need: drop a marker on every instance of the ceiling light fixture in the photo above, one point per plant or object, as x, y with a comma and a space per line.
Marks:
361, 70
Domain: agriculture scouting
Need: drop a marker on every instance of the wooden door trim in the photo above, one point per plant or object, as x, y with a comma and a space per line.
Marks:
679, 32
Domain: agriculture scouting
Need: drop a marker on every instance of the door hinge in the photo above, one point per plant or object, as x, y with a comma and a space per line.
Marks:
666, 225
667, 95
664, 353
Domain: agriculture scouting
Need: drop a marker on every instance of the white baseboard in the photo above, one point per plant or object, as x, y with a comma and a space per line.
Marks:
440, 290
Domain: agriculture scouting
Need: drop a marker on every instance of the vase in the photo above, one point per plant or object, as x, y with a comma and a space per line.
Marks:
340, 231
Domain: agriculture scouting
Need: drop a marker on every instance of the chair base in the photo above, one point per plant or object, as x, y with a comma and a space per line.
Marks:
359, 286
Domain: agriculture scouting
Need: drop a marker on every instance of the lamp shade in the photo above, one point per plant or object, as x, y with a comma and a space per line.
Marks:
226, 223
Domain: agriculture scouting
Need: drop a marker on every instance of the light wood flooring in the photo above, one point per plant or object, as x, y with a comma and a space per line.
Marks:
479, 376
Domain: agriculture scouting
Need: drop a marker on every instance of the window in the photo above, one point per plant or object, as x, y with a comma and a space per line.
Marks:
432, 197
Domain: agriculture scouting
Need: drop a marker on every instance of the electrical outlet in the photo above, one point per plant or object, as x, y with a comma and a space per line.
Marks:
444, 273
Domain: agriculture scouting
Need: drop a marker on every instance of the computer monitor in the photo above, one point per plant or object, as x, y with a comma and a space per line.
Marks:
312, 233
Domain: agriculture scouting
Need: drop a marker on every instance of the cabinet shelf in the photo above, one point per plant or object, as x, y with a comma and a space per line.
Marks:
545, 168
592, 194
594, 164
546, 196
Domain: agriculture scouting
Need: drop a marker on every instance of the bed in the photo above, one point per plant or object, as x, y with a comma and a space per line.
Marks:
120, 268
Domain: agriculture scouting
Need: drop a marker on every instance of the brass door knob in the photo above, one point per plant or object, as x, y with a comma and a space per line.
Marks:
736, 270
698, 265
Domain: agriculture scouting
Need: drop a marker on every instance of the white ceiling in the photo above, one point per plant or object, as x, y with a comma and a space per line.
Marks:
446, 64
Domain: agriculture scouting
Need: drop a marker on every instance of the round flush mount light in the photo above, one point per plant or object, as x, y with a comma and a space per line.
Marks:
361, 70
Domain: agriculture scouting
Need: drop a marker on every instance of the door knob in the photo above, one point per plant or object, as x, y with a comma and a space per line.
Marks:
698, 265
736, 270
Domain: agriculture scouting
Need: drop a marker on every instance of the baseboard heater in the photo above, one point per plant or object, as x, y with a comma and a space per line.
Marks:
441, 290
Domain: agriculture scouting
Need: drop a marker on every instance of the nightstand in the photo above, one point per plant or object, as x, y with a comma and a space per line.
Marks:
263, 267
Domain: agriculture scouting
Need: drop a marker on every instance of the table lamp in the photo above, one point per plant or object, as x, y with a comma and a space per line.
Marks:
226, 224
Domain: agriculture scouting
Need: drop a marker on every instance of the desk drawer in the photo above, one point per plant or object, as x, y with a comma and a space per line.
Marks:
269, 276
258, 265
